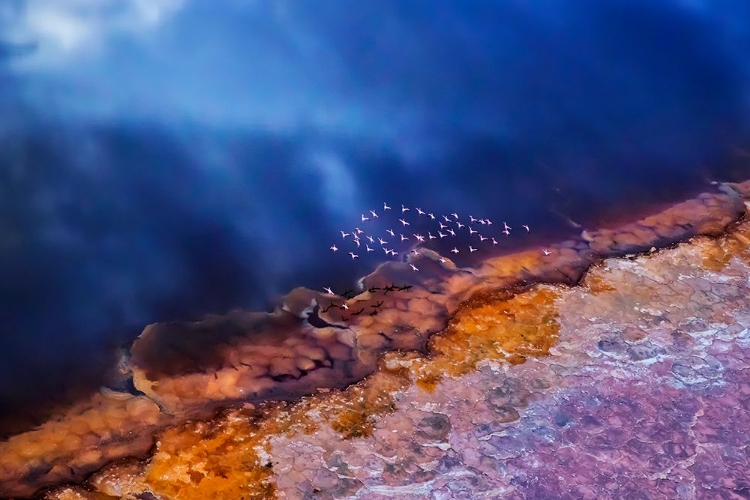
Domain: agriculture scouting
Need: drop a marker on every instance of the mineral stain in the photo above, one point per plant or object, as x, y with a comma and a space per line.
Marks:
492, 326
736, 244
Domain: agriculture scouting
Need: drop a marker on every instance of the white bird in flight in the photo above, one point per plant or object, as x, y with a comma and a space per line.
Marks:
328, 291
546, 252
442, 260
345, 306
419, 237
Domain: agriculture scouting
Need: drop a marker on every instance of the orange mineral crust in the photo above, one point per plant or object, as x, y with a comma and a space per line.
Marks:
411, 391
492, 326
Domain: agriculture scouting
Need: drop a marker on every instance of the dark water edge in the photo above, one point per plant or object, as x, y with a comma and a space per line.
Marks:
115, 212
31, 394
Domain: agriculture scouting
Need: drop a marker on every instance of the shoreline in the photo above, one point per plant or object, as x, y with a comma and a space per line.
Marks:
242, 357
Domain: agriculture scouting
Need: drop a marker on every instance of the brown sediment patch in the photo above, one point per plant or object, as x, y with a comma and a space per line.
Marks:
707, 214
256, 357
78, 442
189, 368
282, 356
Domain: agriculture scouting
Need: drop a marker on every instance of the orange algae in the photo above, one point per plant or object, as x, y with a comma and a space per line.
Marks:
596, 283
492, 326
429, 381
736, 244
220, 459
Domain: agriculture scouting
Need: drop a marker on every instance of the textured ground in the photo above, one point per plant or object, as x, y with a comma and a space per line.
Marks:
631, 384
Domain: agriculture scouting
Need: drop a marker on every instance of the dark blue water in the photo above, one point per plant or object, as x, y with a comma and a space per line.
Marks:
163, 168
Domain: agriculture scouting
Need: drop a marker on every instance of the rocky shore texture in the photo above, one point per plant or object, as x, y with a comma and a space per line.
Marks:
618, 366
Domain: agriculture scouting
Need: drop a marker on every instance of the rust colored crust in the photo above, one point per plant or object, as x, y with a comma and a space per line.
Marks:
188, 369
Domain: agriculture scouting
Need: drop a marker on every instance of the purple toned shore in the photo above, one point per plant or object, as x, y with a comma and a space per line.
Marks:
591, 372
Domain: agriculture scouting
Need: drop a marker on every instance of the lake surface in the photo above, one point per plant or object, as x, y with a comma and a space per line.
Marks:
166, 162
